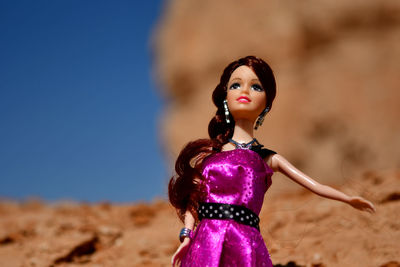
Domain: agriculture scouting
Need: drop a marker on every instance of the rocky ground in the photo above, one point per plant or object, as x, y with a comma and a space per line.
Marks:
300, 229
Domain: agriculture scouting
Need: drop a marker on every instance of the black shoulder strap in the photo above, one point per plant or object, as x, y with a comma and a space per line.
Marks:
263, 152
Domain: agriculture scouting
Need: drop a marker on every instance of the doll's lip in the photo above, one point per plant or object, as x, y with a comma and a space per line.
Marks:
243, 99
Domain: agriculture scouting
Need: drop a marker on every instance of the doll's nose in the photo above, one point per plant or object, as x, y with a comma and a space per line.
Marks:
245, 89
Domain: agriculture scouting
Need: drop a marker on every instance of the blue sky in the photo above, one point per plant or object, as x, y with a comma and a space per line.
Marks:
78, 109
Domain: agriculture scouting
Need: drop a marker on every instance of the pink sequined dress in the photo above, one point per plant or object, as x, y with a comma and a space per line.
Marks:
239, 177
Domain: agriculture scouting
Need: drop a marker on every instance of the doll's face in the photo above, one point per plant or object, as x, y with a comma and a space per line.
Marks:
245, 95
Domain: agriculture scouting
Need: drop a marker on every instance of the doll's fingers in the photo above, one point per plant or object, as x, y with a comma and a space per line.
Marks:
176, 259
173, 261
370, 206
372, 209
369, 209
177, 263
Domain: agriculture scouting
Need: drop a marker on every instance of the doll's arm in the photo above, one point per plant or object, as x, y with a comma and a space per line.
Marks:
182, 249
189, 220
279, 163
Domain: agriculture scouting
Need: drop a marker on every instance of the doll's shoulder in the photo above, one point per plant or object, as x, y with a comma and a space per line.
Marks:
265, 153
262, 151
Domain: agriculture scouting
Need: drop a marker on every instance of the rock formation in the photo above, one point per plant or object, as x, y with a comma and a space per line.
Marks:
337, 67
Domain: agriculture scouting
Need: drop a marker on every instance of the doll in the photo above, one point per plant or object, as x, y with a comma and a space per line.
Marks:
220, 182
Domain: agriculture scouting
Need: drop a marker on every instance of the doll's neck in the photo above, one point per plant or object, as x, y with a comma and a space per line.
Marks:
243, 131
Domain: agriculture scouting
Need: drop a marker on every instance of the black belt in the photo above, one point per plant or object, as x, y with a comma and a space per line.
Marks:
221, 211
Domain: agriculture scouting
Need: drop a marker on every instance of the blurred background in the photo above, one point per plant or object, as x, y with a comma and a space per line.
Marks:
98, 99
337, 65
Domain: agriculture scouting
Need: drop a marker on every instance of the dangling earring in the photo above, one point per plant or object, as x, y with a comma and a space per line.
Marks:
261, 117
226, 111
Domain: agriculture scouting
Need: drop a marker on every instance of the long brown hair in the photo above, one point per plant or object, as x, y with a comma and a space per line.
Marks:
185, 189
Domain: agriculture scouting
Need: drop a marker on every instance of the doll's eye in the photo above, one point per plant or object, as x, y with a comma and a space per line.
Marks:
257, 87
234, 86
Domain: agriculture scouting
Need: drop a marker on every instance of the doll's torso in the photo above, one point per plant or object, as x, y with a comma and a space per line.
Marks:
238, 176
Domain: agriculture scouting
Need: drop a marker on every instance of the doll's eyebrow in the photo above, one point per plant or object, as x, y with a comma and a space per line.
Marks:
239, 79
236, 79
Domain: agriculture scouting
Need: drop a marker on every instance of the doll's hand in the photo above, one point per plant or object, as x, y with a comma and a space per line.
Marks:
180, 252
362, 204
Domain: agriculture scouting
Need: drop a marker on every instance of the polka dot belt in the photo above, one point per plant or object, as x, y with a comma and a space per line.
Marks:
221, 211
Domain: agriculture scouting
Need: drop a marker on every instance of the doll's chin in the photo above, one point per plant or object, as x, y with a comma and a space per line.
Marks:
245, 114
237, 117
